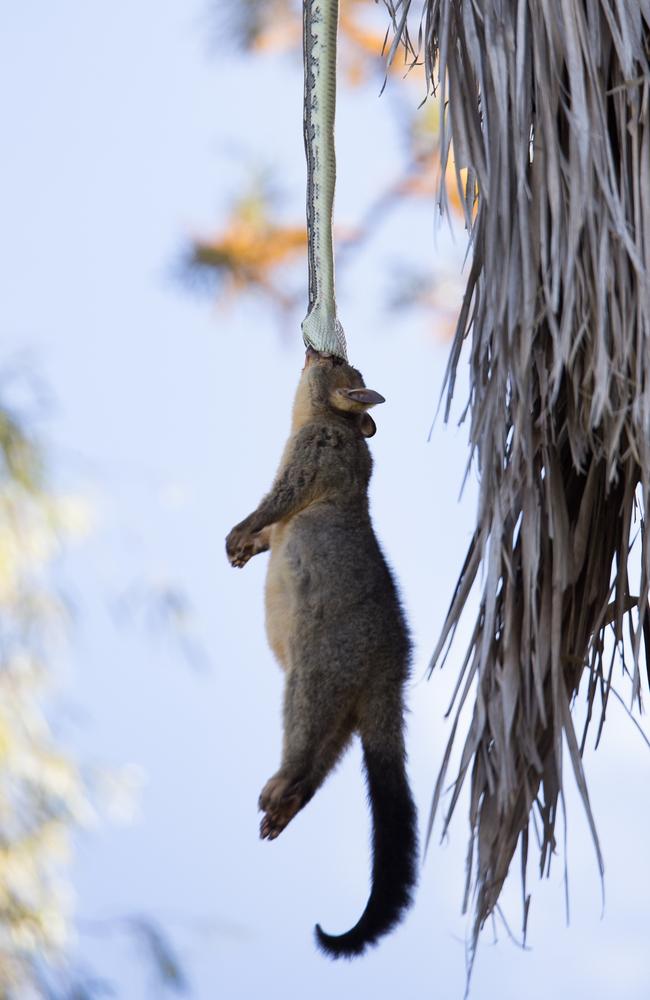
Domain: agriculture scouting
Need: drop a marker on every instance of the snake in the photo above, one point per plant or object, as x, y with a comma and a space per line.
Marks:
321, 328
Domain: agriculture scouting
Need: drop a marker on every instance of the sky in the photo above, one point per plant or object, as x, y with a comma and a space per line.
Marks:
127, 131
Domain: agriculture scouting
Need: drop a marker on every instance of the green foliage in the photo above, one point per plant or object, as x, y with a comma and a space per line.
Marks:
41, 792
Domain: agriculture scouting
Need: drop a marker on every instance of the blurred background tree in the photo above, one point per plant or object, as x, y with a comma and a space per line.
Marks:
262, 252
45, 792
42, 794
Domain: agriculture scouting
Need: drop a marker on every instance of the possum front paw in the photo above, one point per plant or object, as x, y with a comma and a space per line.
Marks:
280, 800
240, 546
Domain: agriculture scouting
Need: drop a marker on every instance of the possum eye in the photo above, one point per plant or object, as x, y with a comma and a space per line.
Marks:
356, 400
367, 425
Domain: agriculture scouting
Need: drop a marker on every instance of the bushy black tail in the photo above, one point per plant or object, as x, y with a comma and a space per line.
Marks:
394, 856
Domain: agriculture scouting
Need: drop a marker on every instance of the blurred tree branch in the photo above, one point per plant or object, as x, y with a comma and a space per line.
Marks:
256, 251
44, 793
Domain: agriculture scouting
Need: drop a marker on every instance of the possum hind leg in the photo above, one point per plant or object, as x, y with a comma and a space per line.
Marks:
315, 736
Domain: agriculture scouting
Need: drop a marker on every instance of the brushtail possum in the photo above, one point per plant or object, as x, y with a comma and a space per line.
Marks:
335, 624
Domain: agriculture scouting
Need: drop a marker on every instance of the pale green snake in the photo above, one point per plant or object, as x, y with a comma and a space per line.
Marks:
321, 328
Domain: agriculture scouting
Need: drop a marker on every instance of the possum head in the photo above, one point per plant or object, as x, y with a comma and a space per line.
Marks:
330, 387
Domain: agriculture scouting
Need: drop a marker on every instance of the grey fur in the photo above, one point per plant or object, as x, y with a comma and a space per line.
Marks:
333, 619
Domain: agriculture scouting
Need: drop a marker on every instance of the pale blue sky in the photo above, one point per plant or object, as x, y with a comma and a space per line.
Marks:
122, 131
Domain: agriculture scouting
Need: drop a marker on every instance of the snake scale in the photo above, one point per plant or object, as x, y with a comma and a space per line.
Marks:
321, 328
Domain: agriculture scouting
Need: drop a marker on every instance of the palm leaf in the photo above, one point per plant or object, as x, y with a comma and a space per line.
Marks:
547, 104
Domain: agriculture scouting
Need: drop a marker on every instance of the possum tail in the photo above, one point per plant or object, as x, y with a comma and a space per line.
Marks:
394, 855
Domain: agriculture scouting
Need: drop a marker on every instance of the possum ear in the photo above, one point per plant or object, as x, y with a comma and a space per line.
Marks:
355, 400
367, 425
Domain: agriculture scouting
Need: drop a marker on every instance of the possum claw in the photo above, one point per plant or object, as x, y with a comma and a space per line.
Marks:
268, 830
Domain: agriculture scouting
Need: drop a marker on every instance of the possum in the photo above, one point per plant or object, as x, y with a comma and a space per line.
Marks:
335, 623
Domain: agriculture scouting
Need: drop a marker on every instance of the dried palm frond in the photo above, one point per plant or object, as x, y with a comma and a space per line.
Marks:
547, 103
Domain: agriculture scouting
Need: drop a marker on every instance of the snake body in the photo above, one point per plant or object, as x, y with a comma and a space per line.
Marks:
321, 328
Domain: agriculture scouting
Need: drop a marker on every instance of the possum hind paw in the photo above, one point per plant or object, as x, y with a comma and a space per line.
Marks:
280, 800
